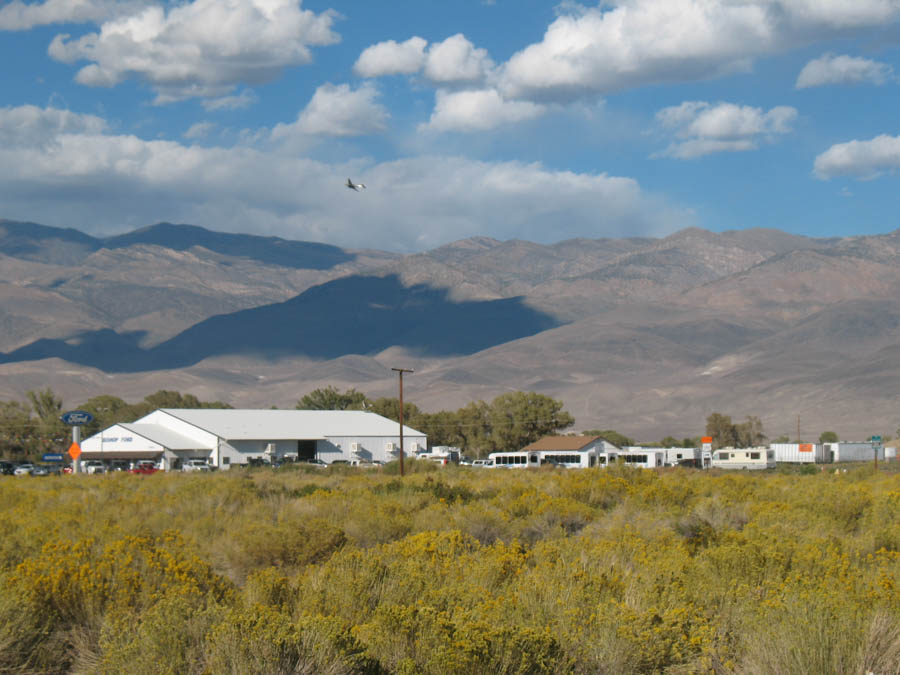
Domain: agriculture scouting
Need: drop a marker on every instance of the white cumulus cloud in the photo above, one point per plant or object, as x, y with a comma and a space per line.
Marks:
627, 43
863, 159
199, 130
338, 110
703, 128
202, 48
453, 61
457, 60
71, 170
392, 58
245, 99
478, 110
18, 15
843, 69
28, 126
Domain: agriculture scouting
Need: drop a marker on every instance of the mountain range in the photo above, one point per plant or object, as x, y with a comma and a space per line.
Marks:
647, 336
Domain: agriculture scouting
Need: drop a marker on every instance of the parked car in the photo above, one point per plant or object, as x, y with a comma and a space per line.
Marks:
93, 466
144, 466
195, 465
118, 465
7, 468
314, 462
40, 471
23, 469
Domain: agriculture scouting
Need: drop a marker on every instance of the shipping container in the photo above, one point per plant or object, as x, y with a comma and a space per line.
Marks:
800, 453
859, 451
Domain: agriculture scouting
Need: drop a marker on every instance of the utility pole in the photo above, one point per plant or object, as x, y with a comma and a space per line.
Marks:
400, 372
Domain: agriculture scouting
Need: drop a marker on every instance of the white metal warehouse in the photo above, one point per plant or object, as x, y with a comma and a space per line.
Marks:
227, 437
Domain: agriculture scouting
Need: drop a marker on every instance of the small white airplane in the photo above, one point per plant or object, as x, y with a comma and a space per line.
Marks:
355, 186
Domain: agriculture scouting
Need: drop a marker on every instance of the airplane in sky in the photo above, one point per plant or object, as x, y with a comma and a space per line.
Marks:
355, 186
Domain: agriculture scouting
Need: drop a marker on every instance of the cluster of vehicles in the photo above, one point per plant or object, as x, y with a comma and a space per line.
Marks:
28, 469
95, 466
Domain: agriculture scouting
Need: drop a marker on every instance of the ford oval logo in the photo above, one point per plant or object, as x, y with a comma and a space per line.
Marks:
76, 418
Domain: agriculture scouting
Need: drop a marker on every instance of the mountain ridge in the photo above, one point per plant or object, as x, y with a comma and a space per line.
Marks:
645, 335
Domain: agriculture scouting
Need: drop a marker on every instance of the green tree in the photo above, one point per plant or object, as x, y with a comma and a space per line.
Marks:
16, 429
670, 442
48, 432
720, 428
173, 399
829, 437
390, 408
782, 439
442, 428
749, 433
45, 404
108, 410
519, 418
474, 428
330, 398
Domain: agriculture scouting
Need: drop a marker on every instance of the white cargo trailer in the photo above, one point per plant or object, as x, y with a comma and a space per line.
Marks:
859, 451
799, 453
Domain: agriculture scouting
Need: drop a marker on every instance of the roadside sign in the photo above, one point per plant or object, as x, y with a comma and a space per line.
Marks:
74, 451
52, 457
77, 418
876, 439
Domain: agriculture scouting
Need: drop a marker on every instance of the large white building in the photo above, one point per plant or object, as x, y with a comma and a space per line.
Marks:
227, 437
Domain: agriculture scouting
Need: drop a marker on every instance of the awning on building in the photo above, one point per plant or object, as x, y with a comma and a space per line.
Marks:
146, 454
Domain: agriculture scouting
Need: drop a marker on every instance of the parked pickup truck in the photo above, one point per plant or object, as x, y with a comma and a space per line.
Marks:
195, 465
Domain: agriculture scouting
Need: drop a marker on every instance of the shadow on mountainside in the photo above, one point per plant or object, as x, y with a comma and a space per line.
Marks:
351, 315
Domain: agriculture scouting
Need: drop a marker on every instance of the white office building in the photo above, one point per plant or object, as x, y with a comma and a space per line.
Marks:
225, 437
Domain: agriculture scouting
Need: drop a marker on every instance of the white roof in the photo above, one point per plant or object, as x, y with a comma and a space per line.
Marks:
288, 424
163, 436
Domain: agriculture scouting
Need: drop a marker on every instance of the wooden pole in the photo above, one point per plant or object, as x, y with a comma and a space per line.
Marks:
400, 372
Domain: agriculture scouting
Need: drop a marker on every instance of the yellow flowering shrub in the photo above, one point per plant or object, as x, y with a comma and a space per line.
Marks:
618, 570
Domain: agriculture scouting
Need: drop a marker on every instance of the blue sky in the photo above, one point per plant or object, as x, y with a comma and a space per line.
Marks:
514, 119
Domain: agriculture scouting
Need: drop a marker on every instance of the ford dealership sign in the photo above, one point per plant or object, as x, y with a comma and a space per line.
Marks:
77, 418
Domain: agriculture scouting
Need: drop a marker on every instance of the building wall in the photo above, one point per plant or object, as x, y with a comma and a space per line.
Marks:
371, 448
119, 439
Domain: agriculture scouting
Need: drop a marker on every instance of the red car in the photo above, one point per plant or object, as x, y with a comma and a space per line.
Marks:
144, 467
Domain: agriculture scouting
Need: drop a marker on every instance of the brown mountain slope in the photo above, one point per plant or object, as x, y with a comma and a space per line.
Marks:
656, 334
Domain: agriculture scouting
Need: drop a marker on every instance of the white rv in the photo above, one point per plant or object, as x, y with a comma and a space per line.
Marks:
743, 458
